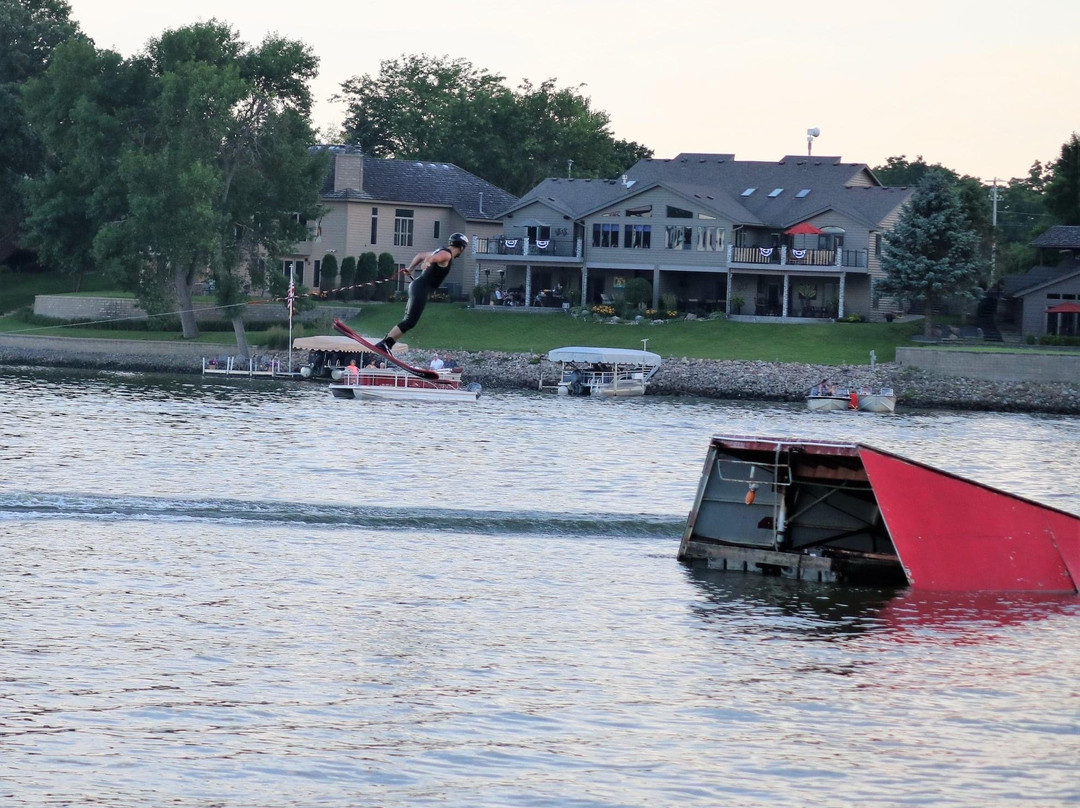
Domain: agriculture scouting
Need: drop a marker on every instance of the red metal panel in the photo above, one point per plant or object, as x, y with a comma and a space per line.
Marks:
954, 534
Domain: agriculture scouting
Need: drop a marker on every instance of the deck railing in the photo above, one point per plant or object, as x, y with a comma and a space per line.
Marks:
504, 245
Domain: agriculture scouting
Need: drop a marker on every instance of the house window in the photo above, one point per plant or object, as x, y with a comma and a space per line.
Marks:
775, 192
679, 238
605, 235
805, 192
679, 213
403, 227
748, 191
438, 228
710, 239
374, 225
641, 211
318, 274
541, 233
638, 236
877, 244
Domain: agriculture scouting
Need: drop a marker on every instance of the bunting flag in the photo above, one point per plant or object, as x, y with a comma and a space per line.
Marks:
799, 254
543, 245
511, 243
766, 252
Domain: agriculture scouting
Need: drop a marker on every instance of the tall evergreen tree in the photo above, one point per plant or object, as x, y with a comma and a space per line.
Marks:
932, 253
1063, 187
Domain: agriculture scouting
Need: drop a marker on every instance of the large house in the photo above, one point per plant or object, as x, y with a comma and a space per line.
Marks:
801, 237
1046, 300
400, 207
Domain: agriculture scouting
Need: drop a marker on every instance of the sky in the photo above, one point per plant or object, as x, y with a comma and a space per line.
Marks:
984, 87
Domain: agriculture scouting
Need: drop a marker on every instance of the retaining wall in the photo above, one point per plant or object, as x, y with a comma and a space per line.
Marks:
995, 367
69, 307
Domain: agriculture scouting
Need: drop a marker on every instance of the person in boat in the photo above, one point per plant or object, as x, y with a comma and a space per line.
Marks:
434, 267
437, 363
352, 372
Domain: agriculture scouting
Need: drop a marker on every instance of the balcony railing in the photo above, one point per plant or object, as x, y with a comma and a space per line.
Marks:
502, 245
786, 256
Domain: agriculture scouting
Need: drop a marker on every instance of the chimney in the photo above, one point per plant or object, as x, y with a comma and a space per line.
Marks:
348, 170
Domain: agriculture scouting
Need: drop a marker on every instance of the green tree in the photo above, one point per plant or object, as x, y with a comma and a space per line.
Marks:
1063, 185
441, 109
932, 253
367, 271
348, 276
206, 168
329, 272
30, 30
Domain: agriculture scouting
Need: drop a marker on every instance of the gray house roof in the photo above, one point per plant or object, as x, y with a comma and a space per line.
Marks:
572, 197
719, 182
1061, 237
425, 183
1037, 277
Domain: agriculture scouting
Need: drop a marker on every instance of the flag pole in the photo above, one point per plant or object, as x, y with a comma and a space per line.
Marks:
291, 299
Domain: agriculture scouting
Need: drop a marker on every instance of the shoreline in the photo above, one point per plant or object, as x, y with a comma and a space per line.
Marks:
707, 378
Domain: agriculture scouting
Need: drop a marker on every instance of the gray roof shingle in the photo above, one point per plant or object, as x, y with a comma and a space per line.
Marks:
718, 180
421, 182
1062, 237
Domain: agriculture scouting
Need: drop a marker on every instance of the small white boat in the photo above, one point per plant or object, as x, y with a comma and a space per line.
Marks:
607, 372
835, 401
392, 384
882, 401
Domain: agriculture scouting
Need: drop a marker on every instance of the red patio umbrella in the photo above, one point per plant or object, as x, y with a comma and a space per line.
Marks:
1064, 308
804, 229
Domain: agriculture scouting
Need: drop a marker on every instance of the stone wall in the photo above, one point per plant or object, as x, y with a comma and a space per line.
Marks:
71, 307
1016, 367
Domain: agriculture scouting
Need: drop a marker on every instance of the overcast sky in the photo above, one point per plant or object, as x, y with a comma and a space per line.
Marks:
984, 87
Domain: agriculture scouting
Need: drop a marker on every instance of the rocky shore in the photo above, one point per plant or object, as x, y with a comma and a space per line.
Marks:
743, 380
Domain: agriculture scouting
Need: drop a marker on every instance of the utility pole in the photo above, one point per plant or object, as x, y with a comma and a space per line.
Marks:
993, 235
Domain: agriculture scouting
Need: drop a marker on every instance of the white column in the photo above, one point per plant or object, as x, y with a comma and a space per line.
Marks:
656, 287
727, 301
787, 291
584, 286
840, 303
783, 254
528, 281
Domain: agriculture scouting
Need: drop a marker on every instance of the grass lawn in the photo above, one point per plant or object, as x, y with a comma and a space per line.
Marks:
448, 326
451, 327
17, 289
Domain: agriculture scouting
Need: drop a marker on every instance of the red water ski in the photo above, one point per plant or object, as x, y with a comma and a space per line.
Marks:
421, 372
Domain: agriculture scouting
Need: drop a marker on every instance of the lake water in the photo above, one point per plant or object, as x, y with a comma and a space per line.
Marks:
249, 594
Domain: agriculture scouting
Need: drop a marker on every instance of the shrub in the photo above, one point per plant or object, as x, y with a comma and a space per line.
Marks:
367, 270
638, 292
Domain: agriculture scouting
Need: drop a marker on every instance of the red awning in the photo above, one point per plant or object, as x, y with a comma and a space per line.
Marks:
804, 229
1064, 308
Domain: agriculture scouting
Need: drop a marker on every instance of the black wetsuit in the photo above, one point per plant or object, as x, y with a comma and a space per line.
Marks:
429, 281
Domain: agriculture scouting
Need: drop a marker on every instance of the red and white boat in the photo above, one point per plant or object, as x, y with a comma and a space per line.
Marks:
394, 384
850, 512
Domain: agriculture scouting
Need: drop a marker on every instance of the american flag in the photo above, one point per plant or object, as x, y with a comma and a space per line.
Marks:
290, 299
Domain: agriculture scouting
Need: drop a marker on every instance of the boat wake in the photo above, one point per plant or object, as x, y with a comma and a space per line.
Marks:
30, 506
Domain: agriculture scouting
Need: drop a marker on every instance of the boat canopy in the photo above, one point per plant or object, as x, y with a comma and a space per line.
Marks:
330, 343
611, 356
